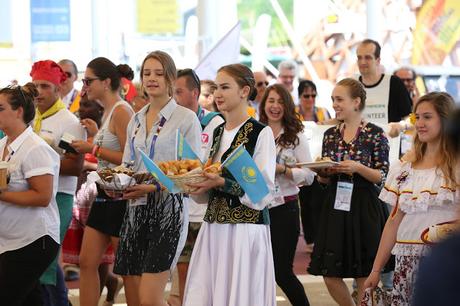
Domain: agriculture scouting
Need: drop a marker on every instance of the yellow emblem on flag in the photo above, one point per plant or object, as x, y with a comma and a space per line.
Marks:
249, 174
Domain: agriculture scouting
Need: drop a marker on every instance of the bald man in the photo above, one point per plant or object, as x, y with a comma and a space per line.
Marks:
261, 84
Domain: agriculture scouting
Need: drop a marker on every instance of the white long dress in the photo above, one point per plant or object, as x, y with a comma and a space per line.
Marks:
232, 264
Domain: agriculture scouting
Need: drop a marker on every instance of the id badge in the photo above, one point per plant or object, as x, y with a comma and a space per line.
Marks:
277, 197
138, 202
343, 196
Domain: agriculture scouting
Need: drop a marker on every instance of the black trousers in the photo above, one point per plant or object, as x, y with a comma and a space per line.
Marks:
311, 200
20, 271
285, 230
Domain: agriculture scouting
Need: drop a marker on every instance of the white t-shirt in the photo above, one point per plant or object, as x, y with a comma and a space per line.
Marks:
377, 98
53, 128
197, 211
21, 225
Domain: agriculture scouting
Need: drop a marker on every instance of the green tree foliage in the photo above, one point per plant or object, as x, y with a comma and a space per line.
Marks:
250, 10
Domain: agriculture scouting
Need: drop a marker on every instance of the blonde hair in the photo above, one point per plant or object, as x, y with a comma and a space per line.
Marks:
169, 68
444, 105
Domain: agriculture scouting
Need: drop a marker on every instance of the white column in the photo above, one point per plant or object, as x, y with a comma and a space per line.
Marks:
374, 11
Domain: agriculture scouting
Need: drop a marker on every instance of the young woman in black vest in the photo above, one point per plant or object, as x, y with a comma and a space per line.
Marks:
232, 263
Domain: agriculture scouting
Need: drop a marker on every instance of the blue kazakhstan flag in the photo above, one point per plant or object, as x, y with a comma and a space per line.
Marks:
158, 174
183, 149
245, 171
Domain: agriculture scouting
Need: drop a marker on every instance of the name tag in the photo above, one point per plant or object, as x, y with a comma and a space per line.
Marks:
138, 202
343, 196
277, 196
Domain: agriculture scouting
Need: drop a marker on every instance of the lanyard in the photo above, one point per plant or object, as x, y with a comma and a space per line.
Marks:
73, 97
351, 144
154, 139
200, 113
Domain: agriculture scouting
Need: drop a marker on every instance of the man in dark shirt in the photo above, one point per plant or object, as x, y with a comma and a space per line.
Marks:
387, 98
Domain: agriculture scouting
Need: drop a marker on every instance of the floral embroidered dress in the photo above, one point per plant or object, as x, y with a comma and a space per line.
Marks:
426, 200
347, 241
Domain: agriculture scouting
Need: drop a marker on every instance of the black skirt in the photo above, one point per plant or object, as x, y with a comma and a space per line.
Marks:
152, 235
347, 242
106, 215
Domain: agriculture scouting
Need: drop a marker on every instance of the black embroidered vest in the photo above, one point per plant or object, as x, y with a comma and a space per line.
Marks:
224, 205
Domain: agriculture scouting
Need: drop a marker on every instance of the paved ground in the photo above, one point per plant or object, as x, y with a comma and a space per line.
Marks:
314, 286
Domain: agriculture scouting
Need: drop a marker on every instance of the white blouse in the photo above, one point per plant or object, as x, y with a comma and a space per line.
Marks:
264, 156
426, 200
285, 186
177, 117
29, 156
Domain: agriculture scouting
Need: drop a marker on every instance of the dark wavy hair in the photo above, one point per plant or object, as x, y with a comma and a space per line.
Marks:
291, 122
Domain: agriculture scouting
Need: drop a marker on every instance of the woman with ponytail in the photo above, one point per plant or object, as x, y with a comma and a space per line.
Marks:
102, 83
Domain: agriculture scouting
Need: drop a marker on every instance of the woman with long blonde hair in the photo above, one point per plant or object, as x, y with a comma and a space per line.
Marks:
155, 224
422, 191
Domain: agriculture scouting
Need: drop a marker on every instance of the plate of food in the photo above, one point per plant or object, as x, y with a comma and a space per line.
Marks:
438, 232
319, 163
187, 171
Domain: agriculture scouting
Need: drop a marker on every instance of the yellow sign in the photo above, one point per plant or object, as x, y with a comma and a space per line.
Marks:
437, 31
157, 16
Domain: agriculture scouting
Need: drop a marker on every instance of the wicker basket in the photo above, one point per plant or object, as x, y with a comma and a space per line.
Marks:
182, 181
115, 194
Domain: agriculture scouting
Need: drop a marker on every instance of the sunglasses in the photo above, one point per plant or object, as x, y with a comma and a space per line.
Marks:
88, 81
189, 72
309, 96
407, 80
68, 74
259, 84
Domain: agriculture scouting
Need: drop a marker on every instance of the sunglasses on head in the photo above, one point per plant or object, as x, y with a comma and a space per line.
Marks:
88, 81
259, 84
18, 88
189, 72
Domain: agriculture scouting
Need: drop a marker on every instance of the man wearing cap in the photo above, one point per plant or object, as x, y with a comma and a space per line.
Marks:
53, 121
69, 94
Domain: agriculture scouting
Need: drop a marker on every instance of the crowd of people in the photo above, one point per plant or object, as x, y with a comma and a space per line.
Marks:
362, 216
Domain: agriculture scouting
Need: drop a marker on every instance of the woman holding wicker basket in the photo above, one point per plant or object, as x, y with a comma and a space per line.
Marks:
232, 262
102, 83
155, 225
